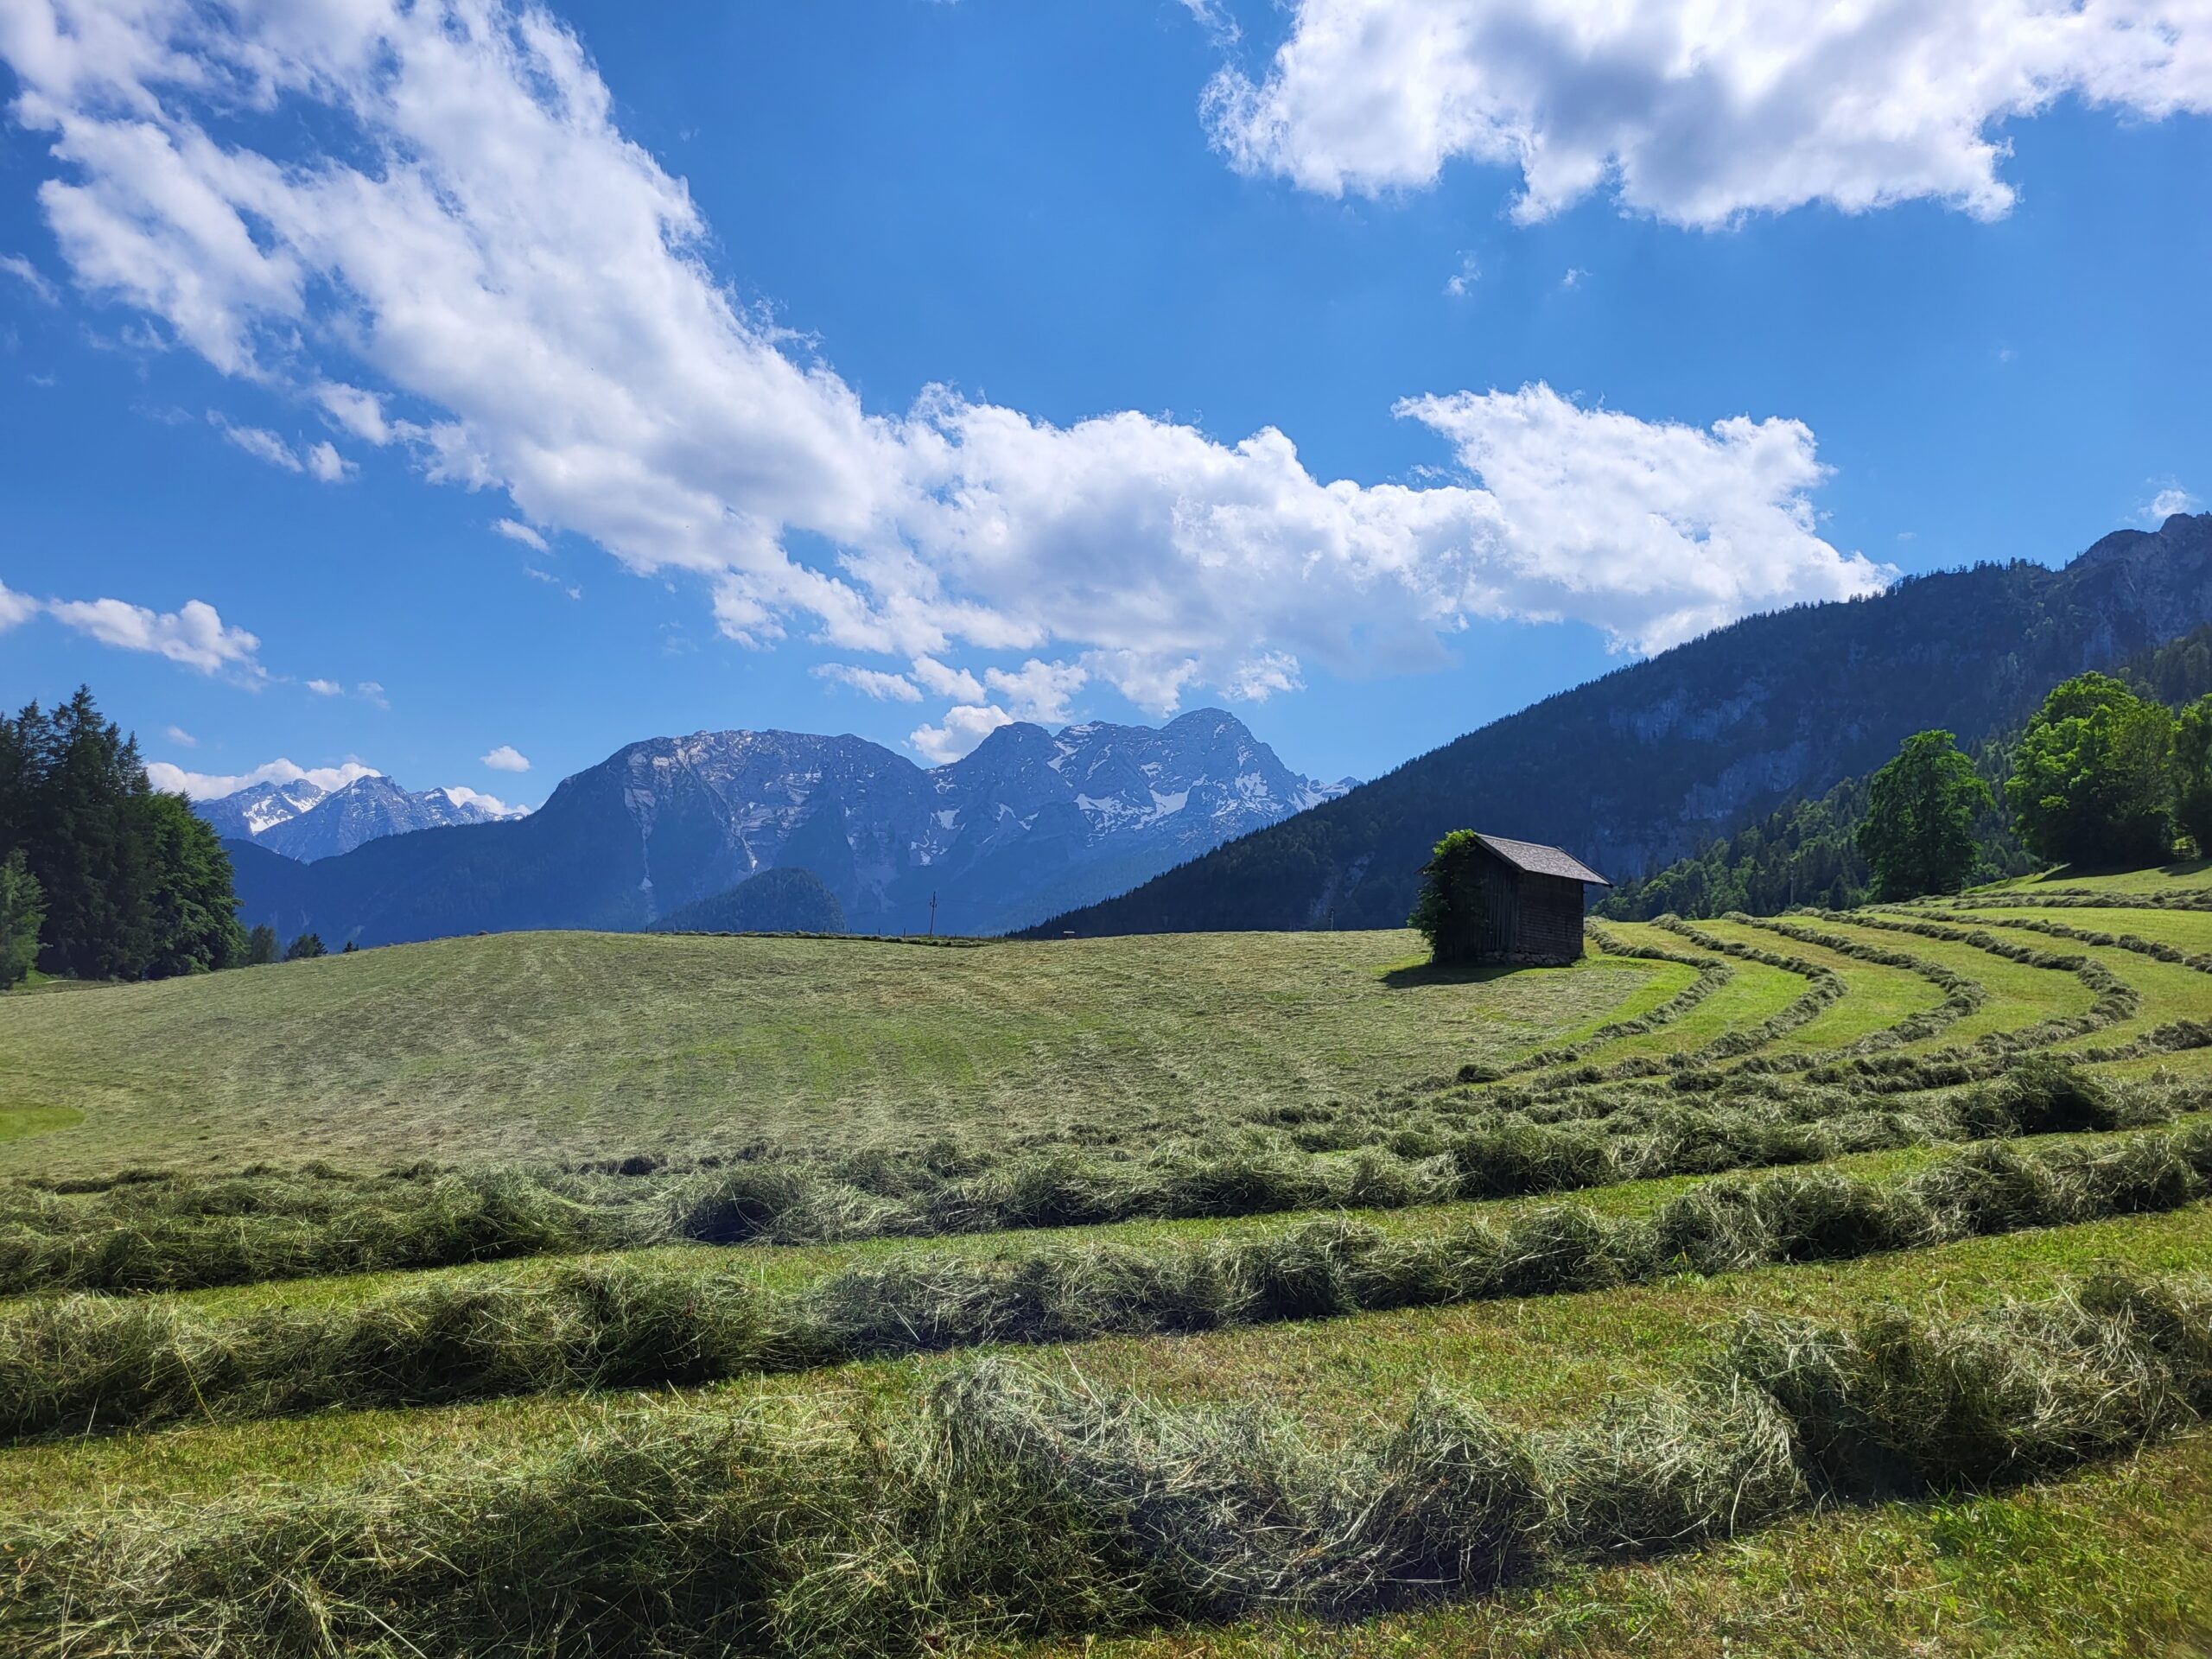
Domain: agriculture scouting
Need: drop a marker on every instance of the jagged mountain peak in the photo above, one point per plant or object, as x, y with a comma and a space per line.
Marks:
1029, 822
301, 820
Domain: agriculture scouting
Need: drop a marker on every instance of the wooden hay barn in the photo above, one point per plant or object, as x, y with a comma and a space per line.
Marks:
1532, 910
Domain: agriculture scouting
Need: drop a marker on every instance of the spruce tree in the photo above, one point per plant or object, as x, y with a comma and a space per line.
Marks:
23, 907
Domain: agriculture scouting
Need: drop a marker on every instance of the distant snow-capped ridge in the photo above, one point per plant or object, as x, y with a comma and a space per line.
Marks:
1032, 822
304, 821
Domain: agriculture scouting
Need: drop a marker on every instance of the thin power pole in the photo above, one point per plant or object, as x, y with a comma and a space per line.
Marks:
932, 915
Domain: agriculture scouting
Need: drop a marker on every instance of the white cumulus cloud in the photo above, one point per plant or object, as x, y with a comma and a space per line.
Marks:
505, 758
1038, 690
15, 607
193, 634
2167, 502
325, 463
964, 726
209, 786
461, 795
429, 261
1695, 112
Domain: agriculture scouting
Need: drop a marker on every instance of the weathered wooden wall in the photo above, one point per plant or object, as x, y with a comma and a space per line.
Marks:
1530, 917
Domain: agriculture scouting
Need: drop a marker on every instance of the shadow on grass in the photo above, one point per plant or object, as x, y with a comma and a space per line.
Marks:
1414, 974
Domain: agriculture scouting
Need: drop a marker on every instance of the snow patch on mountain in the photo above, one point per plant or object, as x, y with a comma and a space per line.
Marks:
303, 821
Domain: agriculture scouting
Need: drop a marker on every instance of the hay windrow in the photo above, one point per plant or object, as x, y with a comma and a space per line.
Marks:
1007, 1504
77, 1365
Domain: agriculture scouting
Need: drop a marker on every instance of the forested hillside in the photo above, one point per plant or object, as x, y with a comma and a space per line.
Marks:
1649, 763
1805, 854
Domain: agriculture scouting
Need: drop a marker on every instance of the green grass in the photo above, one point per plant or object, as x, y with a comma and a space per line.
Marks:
2186, 929
2170, 991
569, 1046
2195, 873
2019, 995
1879, 996
1531, 1362
578, 1045
1755, 993
2109, 1562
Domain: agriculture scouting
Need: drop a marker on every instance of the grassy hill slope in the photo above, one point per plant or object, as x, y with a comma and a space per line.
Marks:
1737, 1290
590, 1047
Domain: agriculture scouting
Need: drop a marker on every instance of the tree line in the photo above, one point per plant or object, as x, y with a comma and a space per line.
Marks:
102, 875
2105, 773
2102, 776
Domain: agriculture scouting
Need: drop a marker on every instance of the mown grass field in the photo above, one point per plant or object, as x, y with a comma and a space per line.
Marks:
1170, 1099
584, 1046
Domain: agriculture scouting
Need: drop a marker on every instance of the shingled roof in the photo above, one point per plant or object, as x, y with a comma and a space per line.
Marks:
1539, 859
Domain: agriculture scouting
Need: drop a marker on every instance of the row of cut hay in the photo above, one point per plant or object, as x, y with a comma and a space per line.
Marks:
79, 1364
2196, 962
1962, 995
2116, 1000
1702, 1069
1827, 986
186, 1235
1711, 974
2086, 899
1005, 1505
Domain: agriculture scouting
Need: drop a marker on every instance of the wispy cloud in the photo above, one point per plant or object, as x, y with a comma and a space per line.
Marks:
870, 682
515, 530
15, 608
258, 442
29, 274
193, 634
324, 462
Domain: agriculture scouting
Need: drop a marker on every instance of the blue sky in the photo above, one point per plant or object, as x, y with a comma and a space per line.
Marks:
896, 367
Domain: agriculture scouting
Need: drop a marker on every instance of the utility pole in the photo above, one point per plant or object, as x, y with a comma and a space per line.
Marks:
932, 915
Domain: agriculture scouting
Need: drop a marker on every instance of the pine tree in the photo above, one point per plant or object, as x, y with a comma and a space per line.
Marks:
135, 885
306, 947
196, 920
261, 947
79, 814
23, 907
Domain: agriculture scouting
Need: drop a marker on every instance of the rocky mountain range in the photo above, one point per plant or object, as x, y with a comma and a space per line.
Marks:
304, 821
1033, 822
